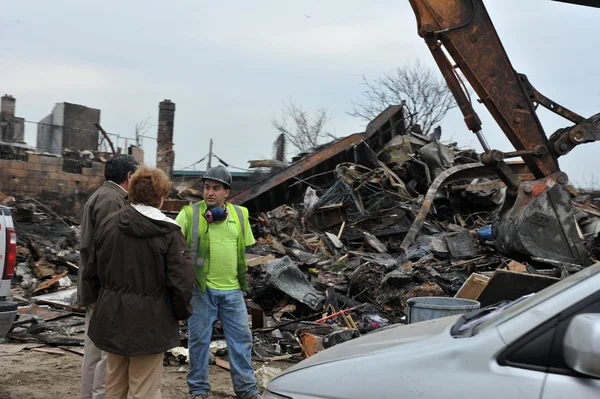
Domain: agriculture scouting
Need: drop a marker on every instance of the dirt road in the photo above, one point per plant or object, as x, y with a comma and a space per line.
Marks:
32, 375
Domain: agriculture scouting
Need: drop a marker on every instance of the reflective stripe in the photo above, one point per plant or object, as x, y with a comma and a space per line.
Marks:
196, 227
240, 215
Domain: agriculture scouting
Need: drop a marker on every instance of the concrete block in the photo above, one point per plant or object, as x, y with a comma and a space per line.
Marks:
16, 165
6, 165
91, 181
73, 177
34, 159
20, 173
47, 168
89, 172
44, 160
56, 161
29, 166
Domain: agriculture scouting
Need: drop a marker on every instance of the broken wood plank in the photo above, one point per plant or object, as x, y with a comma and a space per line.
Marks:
276, 245
466, 262
334, 240
72, 349
375, 243
222, 363
590, 209
255, 260
72, 265
517, 267
473, 287
50, 351
339, 236
273, 358
385, 260
49, 283
11, 349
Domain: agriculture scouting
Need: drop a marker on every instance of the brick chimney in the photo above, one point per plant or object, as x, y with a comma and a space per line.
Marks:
165, 156
7, 106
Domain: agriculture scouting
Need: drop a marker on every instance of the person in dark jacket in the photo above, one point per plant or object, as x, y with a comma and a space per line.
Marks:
141, 277
107, 199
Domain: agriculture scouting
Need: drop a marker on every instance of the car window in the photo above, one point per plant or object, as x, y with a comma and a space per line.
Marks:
542, 348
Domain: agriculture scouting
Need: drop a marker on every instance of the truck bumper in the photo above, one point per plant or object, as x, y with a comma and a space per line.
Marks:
8, 313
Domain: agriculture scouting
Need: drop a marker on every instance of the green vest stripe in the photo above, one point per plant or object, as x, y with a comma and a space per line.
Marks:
198, 241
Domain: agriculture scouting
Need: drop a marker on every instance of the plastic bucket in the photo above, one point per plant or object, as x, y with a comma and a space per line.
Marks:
433, 307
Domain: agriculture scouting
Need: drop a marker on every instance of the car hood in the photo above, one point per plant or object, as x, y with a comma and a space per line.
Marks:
383, 339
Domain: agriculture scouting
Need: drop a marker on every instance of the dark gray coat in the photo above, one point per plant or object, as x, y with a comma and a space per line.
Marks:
106, 200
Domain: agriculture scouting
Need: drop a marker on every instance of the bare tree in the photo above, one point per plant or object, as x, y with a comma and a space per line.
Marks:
141, 128
306, 131
424, 93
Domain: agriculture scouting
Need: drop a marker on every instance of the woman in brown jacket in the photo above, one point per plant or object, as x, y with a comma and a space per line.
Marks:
142, 281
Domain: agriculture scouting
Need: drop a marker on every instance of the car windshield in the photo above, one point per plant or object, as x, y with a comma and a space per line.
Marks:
474, 322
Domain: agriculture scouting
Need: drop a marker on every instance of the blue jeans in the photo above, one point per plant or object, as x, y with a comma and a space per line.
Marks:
232, 312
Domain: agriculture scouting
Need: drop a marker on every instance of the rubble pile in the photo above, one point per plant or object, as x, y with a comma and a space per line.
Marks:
48, 249
346, 263
45, 277
342, 261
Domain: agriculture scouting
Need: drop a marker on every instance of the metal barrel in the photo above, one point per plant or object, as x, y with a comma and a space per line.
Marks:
431, 307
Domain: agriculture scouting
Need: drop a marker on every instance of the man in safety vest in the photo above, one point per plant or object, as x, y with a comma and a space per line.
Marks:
218, 233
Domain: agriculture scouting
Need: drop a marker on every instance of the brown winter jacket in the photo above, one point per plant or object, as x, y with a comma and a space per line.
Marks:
142, 279
107, 199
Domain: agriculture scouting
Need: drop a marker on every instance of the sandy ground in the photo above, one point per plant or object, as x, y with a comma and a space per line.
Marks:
33, 375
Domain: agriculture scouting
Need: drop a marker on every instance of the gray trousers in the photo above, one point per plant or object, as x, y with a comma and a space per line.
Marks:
93, 369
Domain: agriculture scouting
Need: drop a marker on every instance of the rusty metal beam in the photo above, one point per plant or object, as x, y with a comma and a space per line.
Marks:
297, 168
380, 131
110, 143
466, 31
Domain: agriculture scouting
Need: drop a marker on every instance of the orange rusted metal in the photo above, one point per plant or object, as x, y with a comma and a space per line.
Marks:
311, 344
465, 30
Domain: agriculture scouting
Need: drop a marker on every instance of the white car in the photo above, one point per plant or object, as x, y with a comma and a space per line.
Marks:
8, 260
544, 346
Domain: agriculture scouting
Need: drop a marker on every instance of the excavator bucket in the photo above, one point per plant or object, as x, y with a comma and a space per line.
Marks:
536, 222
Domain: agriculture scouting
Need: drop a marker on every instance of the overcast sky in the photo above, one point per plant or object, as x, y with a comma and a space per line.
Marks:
229, 66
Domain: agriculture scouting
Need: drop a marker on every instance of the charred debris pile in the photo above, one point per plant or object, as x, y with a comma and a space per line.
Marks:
342, 245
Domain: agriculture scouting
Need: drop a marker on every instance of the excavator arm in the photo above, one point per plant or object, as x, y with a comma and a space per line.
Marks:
537, 218
464, 29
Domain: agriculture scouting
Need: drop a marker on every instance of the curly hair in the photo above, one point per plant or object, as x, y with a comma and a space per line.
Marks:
147, 186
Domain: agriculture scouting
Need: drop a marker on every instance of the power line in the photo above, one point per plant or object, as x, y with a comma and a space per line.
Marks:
195, 163
228, 165
87, 130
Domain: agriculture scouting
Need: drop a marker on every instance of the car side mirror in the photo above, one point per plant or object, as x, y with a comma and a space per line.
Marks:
581, 344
